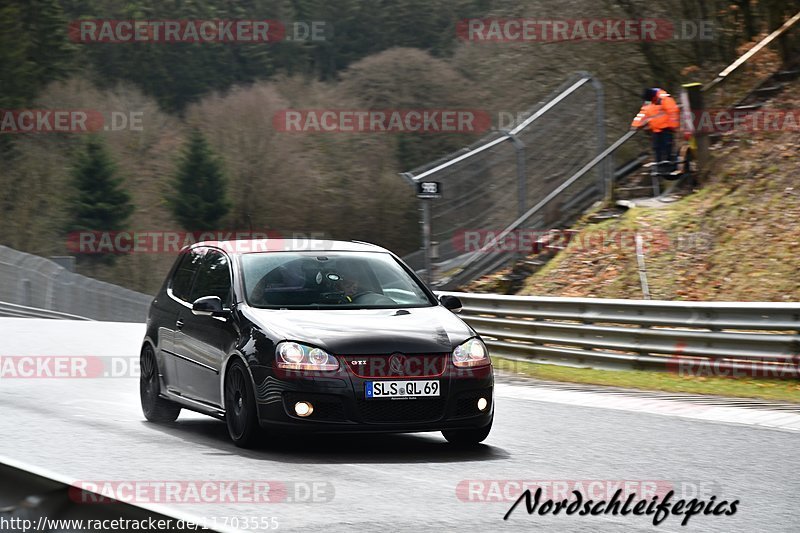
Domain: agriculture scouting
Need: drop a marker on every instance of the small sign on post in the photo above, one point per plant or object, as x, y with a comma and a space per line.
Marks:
429, 190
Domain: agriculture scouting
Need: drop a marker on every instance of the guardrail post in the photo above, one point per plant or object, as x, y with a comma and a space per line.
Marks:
26, 295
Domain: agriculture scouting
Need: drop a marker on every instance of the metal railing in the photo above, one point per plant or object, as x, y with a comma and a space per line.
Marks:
490, 184
21, 311
758, 338
486, 259
30, 281
37, 499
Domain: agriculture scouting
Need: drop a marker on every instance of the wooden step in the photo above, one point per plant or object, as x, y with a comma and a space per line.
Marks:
787, 75
533, 263
769, 91
749, 107
639, 188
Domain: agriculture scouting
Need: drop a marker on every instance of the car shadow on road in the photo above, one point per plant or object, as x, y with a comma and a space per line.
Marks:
332, 449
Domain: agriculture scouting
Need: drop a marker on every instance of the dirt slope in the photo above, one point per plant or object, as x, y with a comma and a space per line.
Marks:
738, 238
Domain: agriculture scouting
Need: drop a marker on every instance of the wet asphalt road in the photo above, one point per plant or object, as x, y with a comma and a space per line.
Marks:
92, 429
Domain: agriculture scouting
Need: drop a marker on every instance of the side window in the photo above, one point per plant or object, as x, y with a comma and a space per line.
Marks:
181, 283
214, 278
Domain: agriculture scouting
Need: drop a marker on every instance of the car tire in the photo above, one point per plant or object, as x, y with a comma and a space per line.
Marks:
154, 407
467, 437
240, 406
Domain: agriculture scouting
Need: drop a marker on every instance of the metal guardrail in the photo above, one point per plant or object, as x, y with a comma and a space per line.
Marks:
34, 499
21, 311
35, 282
759, 338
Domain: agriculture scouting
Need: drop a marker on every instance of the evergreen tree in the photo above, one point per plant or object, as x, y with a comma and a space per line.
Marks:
100, 202
33, 49
33, 52
199, 202
182, 73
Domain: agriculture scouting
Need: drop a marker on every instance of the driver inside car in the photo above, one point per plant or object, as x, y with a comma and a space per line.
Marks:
358, 291
350, 288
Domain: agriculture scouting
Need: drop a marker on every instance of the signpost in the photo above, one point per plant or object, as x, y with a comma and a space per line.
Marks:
429, 190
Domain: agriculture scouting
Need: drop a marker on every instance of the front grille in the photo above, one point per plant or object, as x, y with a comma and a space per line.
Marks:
406, 366
378, 411
326, 407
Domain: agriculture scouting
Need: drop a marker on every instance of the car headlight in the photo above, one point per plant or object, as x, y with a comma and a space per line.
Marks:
471, 354
296, 356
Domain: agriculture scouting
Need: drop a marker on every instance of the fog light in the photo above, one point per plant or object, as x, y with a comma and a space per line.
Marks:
303, 409
483, 403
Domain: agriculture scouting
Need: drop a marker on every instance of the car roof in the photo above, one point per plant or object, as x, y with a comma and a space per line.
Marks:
245, 246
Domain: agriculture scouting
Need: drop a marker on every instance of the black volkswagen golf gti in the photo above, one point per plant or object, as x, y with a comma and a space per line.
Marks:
329, 336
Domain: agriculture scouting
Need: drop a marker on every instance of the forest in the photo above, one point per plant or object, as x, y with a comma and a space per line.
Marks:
199, 149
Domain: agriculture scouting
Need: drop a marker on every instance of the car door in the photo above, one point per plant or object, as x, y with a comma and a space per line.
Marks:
173, 309
204, 341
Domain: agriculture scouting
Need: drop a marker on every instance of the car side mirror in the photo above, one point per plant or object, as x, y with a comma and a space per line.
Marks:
209, 306
452, 303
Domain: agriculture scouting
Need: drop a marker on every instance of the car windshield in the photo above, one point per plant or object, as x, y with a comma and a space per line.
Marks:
313, 280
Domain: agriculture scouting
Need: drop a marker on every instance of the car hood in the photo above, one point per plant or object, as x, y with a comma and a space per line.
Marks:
365, 331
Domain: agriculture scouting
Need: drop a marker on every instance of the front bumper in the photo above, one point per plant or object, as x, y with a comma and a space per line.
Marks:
340, 405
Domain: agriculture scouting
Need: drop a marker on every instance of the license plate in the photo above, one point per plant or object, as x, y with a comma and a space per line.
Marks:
400, 389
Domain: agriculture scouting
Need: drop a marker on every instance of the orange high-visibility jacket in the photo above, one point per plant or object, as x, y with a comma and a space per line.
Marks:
660, 114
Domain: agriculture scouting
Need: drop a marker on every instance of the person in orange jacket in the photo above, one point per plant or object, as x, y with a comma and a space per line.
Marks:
659, 114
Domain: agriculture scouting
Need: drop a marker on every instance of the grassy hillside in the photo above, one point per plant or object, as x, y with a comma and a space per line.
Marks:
738, 238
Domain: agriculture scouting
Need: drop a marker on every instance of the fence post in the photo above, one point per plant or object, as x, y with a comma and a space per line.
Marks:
605, 176
522, 175
522, 182
426, 241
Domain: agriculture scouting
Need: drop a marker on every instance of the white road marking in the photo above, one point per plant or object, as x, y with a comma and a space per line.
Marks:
732, 415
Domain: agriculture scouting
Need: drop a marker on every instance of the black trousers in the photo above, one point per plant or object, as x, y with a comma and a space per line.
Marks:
662, 144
